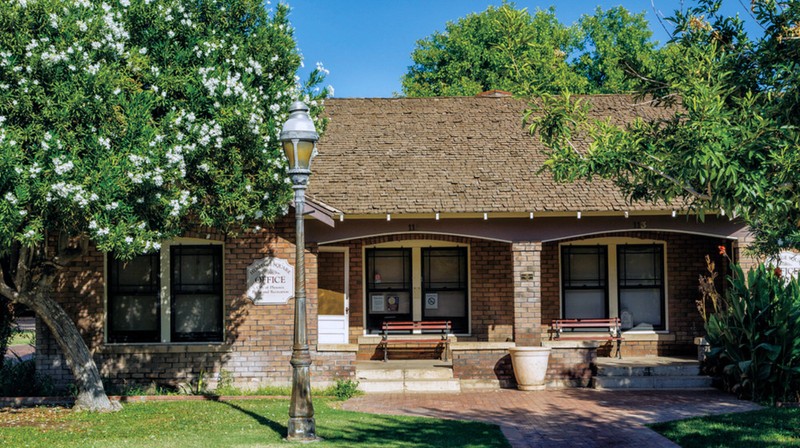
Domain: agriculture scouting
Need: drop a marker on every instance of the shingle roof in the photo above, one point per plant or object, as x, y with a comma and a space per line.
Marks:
451, 155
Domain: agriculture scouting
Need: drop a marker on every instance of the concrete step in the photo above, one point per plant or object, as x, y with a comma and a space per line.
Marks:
662, 370
409, 386
406, 376
652, 382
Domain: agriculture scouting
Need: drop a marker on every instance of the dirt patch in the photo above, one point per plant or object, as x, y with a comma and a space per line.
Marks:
45, 418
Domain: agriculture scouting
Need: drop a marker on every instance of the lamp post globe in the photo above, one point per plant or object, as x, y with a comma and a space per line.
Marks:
299, 139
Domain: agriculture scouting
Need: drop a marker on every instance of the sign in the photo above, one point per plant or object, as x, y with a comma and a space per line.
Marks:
789, 262
431, 301
270, 281
378, 303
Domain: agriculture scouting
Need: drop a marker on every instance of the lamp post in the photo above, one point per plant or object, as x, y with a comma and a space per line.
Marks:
299, 138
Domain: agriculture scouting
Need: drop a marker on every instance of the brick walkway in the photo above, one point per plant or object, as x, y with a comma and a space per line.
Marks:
566, 418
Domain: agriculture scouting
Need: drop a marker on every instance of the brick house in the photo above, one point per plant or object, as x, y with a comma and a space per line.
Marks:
426, 209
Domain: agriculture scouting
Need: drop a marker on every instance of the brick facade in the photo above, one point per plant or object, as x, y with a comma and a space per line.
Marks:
685, 263
257, 342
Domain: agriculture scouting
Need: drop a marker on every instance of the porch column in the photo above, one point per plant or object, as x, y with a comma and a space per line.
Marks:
527, 292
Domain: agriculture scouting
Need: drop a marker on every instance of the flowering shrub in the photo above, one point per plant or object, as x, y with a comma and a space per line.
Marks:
120, 118
122, 121
754, 332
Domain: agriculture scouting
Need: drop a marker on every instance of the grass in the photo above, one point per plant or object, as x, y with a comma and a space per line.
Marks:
20, 338
770, 427
246, 423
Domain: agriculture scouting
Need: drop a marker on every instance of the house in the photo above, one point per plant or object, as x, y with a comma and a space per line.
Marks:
422, 209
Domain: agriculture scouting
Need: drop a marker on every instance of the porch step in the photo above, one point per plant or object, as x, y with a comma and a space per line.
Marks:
650, 373
652, 382
406, 376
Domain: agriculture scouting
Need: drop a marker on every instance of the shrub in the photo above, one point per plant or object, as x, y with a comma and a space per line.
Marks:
754, 333
19, 379
344, 389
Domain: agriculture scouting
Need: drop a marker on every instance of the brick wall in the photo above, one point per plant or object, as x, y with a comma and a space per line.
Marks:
258, 339
484, 365
685, 263
570, 367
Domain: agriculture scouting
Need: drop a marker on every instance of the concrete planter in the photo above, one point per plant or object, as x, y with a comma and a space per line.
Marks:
530, 366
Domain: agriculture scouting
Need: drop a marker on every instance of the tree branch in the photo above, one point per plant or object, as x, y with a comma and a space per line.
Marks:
5, 290
684, 187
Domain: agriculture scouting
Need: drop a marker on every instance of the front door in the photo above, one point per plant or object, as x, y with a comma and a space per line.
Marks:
334, 303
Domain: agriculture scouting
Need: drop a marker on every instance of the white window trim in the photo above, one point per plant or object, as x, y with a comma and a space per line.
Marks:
613, 281
416, 247
165, 294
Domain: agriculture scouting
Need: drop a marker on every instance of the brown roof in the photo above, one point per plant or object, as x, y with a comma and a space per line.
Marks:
456, 154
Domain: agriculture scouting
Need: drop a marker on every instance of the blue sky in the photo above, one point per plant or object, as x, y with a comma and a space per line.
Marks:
367, 44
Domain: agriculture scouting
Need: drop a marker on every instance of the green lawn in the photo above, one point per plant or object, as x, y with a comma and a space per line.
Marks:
24, 337
771, 427
245, 423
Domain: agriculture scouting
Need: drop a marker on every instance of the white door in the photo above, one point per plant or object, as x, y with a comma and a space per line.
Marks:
334, 302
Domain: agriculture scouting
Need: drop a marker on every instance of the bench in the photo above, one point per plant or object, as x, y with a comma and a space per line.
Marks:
611, 324
390, 329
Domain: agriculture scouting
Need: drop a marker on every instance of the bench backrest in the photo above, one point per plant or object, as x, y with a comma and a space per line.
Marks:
428, 325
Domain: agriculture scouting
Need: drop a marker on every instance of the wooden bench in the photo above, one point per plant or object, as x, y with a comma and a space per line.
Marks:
390, 329
611, 324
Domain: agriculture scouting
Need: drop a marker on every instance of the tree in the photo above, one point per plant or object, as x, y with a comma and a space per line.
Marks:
500, 48
730, 141
615, 42
122, 122
510, 49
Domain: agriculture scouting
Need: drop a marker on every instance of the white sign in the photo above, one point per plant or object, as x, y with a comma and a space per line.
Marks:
270, 281
378, 303
789, 263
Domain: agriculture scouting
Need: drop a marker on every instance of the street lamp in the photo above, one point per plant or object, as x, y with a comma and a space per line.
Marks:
299, 139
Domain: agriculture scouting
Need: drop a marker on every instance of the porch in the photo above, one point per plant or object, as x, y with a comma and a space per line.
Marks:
470, 372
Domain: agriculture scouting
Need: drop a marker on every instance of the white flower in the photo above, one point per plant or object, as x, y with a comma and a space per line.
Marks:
128, 240
11, 198
143, 50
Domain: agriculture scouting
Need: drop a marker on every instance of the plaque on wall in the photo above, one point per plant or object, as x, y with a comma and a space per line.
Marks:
270, 281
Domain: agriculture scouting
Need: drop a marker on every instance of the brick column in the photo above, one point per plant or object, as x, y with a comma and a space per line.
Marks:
527, 292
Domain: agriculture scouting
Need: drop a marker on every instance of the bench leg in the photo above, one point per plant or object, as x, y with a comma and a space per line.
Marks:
385, 345
619, 348
445, 351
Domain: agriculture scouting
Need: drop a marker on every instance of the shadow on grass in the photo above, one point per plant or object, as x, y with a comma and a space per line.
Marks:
263, 421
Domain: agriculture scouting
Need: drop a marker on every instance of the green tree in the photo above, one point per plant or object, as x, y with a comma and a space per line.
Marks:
122, 122
510, 49
501, 48
615, 43
729, 140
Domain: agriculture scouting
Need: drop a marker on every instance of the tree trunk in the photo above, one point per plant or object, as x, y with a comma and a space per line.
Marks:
91, 393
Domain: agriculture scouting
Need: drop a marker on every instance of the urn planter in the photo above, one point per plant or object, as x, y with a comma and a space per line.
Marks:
530, 366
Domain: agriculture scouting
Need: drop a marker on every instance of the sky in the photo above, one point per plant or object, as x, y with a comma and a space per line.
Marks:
366, 44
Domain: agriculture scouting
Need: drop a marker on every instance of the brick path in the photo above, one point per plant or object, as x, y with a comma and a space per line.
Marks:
581, 418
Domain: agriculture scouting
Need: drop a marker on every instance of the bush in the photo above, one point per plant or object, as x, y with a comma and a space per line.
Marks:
19, 379
754, 333
344, 389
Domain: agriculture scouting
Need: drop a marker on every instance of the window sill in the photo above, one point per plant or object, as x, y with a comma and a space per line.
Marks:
178, 347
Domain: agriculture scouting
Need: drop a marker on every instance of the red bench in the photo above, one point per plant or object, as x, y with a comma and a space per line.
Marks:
390, 329
612, 325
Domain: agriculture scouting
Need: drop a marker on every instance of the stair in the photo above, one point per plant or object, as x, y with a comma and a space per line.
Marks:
406, 376
650, 373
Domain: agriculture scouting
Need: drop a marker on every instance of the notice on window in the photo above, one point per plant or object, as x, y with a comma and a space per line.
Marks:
431, 301
270, 281
378, 303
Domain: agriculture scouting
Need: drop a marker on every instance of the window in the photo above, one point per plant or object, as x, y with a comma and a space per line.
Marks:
388, 286
640, 273
185, 278
423, 280
615, 277
134, 313
444, 286
196, 293
584, 281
